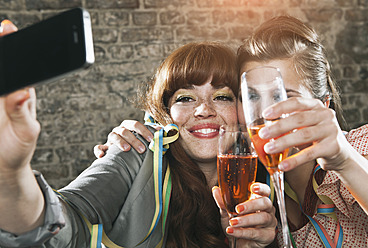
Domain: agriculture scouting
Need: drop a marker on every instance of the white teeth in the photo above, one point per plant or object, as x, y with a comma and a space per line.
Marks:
205, 130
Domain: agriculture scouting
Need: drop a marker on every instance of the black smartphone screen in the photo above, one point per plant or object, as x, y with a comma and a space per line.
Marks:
45, 50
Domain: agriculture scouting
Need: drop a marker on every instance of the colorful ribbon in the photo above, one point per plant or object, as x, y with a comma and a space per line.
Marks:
327, 208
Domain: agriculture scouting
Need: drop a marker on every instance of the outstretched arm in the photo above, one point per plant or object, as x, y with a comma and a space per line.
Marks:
21, 200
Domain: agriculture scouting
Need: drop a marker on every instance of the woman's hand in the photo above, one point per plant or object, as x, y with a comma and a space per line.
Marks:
123, 137
255, 225
311, 127
19, 129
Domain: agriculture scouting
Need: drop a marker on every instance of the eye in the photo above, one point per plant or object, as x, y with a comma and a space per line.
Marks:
184, 99
252, 96
224, 98
277, 97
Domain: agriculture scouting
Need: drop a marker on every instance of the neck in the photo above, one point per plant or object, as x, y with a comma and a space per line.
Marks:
210, 171
298, 178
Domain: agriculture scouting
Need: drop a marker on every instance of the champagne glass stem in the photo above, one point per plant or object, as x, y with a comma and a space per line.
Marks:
233, 239
234, 243
278, 181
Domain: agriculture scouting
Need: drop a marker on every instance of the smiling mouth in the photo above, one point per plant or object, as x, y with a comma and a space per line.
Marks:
205, 131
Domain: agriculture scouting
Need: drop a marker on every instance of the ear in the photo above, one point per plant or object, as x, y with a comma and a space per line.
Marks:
327, 101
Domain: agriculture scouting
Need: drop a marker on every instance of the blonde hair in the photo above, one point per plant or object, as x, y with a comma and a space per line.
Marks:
286, 37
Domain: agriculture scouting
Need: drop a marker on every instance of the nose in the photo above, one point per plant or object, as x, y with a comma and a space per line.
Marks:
205, 110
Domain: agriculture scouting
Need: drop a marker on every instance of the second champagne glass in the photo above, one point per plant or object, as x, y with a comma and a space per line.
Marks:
236, 167
263, 87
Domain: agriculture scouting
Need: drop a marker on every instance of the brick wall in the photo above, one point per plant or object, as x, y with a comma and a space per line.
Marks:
132, 36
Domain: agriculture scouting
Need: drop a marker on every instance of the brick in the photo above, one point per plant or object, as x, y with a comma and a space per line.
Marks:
172, 17
245, 18
95, 20
12, 5
352, 115
240, 32
43, 156
169, 48
100, 53
121, 52
76, 155
149, 51
108, 4
198, 17
222, 3
201, 33
168, 3
145, 18
363, 3
54, 171
324, 14
349, 72
344, 3
265, 4
125, 69
356, 15
351, 42
114, 18
104, 35
146, 34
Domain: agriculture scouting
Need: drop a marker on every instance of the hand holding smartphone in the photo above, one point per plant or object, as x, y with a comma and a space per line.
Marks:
46, 50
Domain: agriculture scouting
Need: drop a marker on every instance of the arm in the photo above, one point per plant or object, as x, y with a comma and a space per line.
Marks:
21, 200
317, 126
256, 223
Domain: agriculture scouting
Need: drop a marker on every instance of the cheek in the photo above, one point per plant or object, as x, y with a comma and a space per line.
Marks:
179, 114
229, 114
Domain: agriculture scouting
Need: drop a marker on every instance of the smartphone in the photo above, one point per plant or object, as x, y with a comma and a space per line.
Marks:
46, 51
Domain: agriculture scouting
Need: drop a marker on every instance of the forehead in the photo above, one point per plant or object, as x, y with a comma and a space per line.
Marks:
292, 80
207, 86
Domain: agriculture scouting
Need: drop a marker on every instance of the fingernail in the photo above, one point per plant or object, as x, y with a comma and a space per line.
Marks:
269, 147
283, 166
239, 208
229, 230
125, 147
255, 188
233, 222
141, 149
24, 96
267, 113
150, 138
264, 133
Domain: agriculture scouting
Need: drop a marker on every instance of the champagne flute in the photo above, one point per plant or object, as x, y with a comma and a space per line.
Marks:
262, 87
236, 167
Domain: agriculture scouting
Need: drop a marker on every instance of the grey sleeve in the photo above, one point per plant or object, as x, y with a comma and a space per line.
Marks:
54, 221
99, 193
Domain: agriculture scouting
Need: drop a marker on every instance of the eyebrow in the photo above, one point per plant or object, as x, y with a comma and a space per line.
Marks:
293, 91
